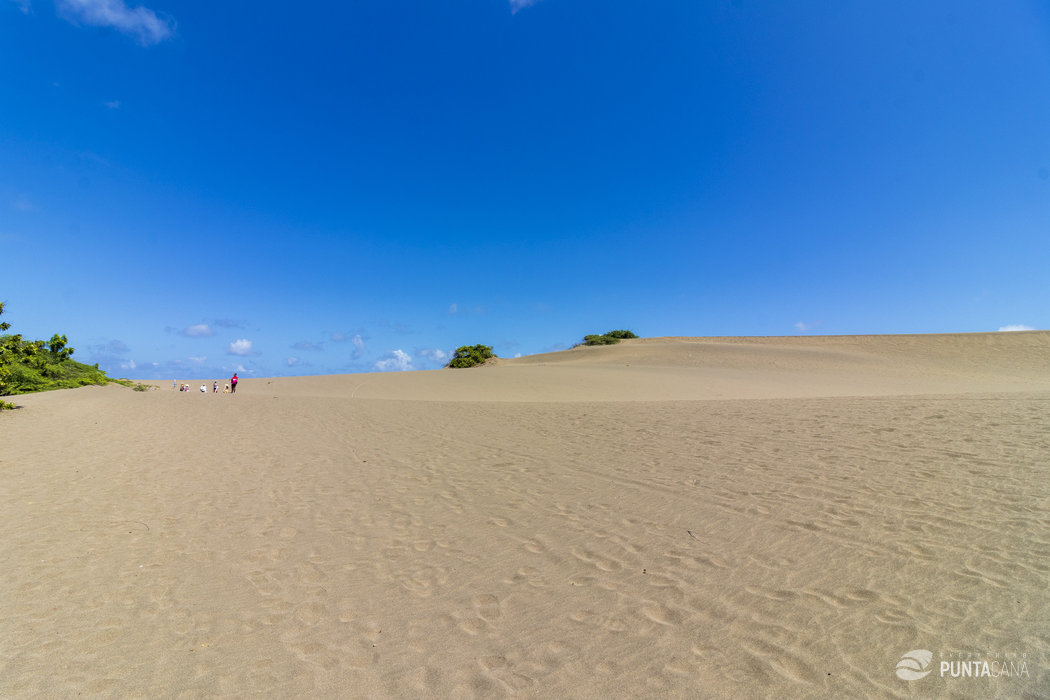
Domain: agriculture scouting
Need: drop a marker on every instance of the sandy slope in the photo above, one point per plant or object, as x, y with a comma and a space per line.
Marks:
780, 517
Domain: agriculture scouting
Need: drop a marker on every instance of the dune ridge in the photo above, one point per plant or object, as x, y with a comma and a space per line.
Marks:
704, 518
685, 369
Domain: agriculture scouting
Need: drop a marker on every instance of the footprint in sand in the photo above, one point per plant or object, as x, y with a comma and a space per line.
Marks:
497, 667
661, 614
596, 560
487, 607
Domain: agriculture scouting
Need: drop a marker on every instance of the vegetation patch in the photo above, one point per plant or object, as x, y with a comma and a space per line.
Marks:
28, 366
470, 356
610, 338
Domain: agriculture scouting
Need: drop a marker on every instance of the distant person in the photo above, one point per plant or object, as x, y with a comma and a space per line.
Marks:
233, 384
173, 385
215, 387
204, 388
226, 389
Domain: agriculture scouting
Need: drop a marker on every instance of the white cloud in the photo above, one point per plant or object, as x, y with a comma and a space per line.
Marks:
241, 346
1015, 327
198, 360
130, 364
356, 339
397, 361
201, 330
435, 354
139, 22
516, 5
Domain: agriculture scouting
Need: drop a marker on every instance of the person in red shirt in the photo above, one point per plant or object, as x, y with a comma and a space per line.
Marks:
233, 384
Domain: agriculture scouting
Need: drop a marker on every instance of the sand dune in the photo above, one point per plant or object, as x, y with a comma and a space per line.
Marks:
762, 517
685, 369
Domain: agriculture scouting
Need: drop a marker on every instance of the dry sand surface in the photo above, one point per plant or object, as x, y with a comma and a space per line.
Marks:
724, 518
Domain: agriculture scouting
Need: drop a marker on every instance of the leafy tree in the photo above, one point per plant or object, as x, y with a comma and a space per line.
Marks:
4, 372
470, 355
58, 345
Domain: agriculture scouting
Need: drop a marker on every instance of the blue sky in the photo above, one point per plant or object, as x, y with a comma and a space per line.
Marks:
193, 188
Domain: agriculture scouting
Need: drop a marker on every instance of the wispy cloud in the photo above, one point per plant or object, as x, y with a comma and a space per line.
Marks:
22, 203
117, 347
452, 309
1015, 327
109, 354
435, 354
200, 330
241, 346
112, 104
806, 326
23, 5
397, 361
140, 22
356, 340
308, 346
516, 5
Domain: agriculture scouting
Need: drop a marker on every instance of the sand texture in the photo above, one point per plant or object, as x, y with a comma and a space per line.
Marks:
693, 518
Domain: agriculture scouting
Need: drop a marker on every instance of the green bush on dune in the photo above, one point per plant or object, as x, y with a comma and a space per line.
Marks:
28, 366
470, 356
610, 338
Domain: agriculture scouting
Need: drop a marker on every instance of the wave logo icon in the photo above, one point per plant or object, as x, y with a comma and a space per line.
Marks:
915, 664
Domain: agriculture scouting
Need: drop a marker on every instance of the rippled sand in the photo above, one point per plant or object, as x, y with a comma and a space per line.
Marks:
764, 517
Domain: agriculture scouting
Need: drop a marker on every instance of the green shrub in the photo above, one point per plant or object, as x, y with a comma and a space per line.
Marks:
610, 338
29, 366
470, 356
